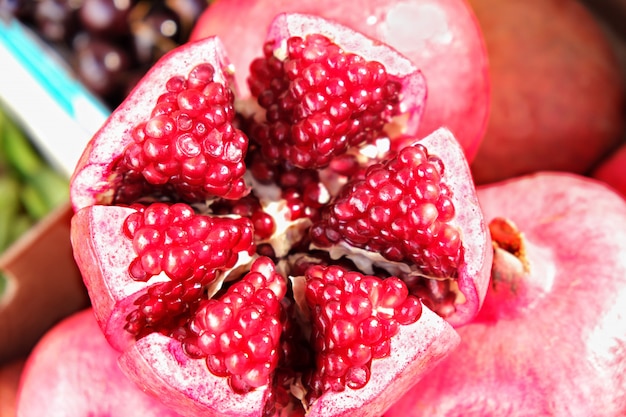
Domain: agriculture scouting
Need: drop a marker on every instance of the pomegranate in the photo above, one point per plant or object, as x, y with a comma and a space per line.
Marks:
611, 170
540, 67
545, 342
233, 250
441, 37
73, 371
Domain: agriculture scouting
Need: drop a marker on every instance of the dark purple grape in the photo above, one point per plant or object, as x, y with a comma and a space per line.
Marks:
101, 64
106, 17
155, 32
21, 9
56, 20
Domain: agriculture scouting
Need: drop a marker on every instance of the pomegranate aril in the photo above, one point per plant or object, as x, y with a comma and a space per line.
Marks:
189, 249
239, 332
394, 210
189, 142
313, 88
353, 321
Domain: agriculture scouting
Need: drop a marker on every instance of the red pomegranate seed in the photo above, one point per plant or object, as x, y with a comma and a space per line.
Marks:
319, 101
239, 333
354, 316
400, 209
189, 143
187, 248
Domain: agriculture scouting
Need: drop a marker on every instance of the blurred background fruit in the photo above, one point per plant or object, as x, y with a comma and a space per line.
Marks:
557, 89
10, 374
109, 43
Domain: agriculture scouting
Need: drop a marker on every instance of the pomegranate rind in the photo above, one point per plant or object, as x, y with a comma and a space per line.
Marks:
413, 92
415, 350
93, 179
73, 372
559, 353
475, 270
103, 256
160, 366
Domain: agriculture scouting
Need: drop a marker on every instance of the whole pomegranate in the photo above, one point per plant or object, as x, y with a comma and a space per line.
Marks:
441, 37
550, 338
73, 372
557, 90
612, 170
297, 251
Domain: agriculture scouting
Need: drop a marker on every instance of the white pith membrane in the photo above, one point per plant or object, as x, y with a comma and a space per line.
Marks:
288, 233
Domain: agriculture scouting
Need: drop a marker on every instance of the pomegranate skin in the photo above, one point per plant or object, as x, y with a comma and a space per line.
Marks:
558, 94
442, 38
74, 372
612, 170
551, 342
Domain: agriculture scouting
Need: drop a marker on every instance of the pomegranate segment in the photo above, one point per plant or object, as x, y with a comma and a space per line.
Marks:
319, 101
188, 143
97, 178
109, 261
417, 212
412, 93
354, 318
239, 333
243, 296
400, 209
189, 249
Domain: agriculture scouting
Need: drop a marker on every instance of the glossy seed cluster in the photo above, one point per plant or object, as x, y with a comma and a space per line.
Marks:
401, 209
189, 142
255, 329
239, 332
188, 249
354, 317
319, 101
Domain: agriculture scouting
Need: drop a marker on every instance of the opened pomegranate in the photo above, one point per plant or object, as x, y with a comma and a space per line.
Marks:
73, 372
550, 337
441, 37
235, 250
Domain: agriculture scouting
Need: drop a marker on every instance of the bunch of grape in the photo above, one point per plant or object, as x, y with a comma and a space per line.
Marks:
109, 44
